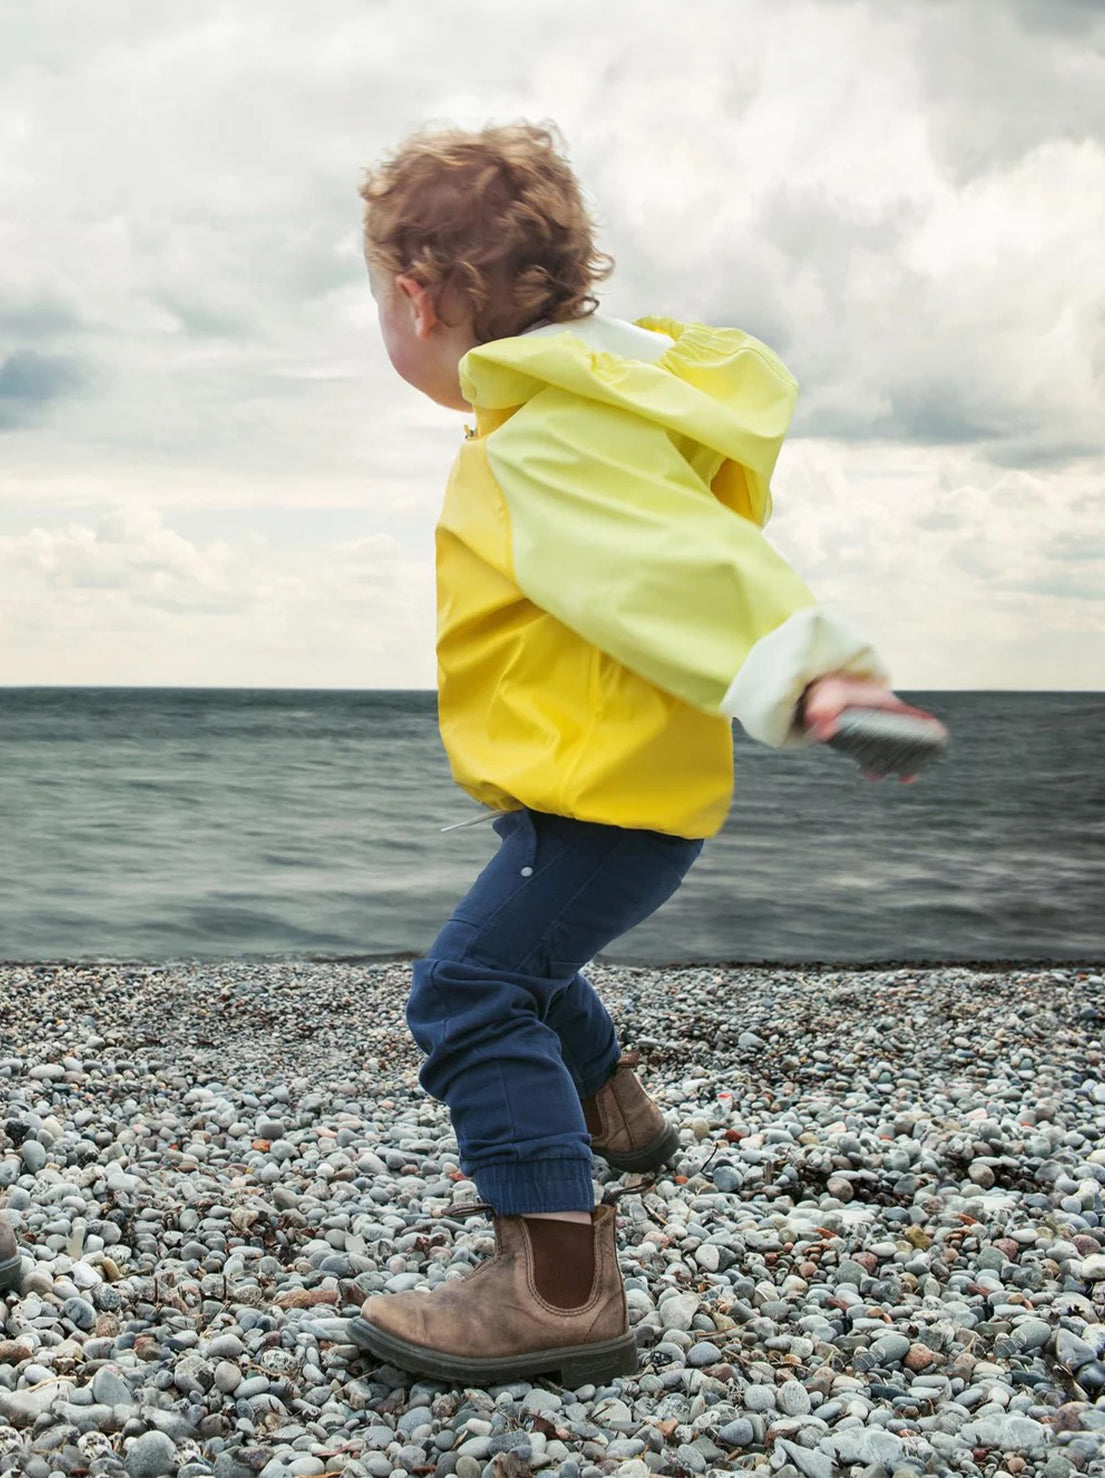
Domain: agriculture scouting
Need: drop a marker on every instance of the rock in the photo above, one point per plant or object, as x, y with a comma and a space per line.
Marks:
634, 1468
22, 1407
1093, 1268
729, 1179
541, 1402
792, 1398
708, 1256
228, 1466
152, 1455
1031, 1334
807, 1460
109, 1387
850, 1271
863, 1445
678, 1311
888, 1350
919, 1357
1091, 1377
982, 1174
228, 1377
1010, 1431
1072, 1351
737, 1433
33, 1155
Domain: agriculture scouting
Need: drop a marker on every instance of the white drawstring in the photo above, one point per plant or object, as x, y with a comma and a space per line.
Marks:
474, 820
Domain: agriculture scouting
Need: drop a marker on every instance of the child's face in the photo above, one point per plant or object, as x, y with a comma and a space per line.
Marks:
423, 349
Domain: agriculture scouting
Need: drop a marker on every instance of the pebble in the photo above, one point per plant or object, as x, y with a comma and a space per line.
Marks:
1008, 1432
793, 1399
880, 1247
739, 1433
152, 1455
678, 1312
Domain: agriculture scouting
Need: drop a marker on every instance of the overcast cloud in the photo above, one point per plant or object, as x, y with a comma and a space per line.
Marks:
209, 473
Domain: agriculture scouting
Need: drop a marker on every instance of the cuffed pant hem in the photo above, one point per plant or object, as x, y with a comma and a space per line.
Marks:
519, 1188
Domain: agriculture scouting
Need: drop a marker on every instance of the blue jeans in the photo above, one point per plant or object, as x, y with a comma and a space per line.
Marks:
514, 1034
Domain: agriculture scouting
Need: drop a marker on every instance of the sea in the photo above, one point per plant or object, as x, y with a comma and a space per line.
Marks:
158, 824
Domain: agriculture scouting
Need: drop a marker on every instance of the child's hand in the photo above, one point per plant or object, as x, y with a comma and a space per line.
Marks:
826, 699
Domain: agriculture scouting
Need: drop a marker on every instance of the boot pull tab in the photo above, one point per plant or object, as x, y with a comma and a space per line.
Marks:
468, 1208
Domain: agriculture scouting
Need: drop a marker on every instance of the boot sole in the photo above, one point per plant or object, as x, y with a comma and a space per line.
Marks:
11, 1273
577, 1365
659, 1152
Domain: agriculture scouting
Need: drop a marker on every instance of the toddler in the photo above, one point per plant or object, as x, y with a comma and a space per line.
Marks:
607, 605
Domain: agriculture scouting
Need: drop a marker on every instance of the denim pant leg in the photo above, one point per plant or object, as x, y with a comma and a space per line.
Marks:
588, 1041
556, 893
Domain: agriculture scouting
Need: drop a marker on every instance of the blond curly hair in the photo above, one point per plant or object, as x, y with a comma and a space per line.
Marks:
493, 219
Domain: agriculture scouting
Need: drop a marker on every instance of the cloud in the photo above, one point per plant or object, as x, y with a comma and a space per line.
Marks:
30, 381
905, 201
964, 574
1070, 17
1000, 79
42, 317
107, 601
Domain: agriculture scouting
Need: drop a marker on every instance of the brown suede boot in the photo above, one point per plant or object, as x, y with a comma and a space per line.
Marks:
11, 1264
627, 1129
499, 1323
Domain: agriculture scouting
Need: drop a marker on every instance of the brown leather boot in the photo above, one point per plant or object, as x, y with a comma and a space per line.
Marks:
499, 1323
627, 1129
11, 1264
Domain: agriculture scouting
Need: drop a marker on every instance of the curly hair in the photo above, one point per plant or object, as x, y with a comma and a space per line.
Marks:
494, 217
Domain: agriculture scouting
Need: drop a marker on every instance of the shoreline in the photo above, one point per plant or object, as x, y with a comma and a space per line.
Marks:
981, 963
884, 1250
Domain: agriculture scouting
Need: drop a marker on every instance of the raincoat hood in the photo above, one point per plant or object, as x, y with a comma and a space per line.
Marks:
719, 387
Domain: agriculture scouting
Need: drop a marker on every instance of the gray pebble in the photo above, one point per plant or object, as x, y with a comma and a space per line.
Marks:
793, 1399
737, 1433
1072, 1351
152, 1455
33, 1155
728, 1178
109, 1387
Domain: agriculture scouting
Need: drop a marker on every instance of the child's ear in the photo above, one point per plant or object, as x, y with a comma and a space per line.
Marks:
422, 305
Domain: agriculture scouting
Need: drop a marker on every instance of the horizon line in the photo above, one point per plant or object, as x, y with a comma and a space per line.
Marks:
297, 688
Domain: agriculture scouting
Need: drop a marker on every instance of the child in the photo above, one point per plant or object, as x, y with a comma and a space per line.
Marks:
607, 605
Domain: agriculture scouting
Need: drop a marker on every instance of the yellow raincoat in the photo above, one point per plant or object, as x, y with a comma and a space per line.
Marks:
607, 603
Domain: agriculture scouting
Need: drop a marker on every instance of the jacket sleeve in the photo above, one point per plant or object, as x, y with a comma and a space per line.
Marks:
614, 533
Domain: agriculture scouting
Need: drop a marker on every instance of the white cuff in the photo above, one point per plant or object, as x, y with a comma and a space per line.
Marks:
810, 644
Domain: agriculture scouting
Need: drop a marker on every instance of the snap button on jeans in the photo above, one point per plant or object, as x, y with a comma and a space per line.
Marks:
527, 872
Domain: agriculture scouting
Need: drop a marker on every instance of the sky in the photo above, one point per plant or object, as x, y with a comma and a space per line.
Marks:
210, 474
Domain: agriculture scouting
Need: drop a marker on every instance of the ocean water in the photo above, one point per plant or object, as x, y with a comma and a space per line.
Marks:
157, 824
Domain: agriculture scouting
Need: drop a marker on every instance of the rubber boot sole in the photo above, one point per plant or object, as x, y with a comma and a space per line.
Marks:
576, 1365
658, 1152
11, 1272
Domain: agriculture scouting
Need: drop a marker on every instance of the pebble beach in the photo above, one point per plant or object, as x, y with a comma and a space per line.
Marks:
879, 1251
